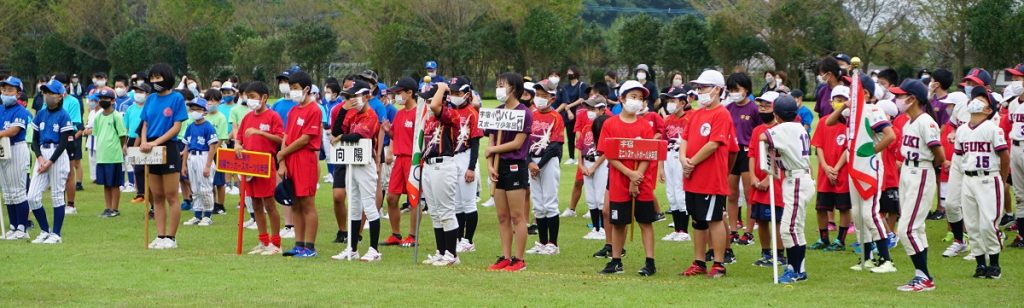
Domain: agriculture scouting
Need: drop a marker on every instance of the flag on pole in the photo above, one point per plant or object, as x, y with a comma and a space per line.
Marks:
412, 186
863, 170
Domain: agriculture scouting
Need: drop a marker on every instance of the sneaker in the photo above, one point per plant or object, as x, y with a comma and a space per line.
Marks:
392, 241
604, 252
371, 255
70, 210
865, 265
659, 217
340, 237
432, 258
671, 225
570, 162
105, 214
790, 276
408, 241
515, 266
764, 261
709, 256
78, 187
41, 237
832, 226
893, 241
954, 249
586, 215
717, 271
155, 243
968, 256
499, 265
531, 229
465, 246
192, 221
682, 237
129, 188
937, 215
219, 209
612, 267
138, 199
206, 221
291, 253
851, 229
328, 179
746, 239
114, 213
694, 270
186, 205
488, 203
250, 224
447, 260
918, 284
948, 237
168, 244
671, 237
594, 235
1018, 242
1006, 221
258, 249
347, 255
730, 256
537, 248
550, 249
234, 191
406, 207
980, 272
306, 253
836, 246
991, 272
568, 213
818, 245
856, 248
648, 270
886, 267
288, 232
8, 235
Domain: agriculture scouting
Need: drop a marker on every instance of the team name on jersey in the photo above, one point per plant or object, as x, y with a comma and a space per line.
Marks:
911, 141
1016, 117
976, 146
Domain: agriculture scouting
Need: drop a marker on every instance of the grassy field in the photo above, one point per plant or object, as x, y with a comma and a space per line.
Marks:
102, 263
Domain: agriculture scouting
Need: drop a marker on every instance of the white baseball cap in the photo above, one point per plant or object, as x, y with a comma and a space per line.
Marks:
955, 98
768, 96
1012, 91
630, 85
843, 91
710, 78
888, 107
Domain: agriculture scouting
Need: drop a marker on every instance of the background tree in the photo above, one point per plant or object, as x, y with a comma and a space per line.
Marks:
59, 57
684, 45
208, 50
399, 49
636, 40
545, 40
312, 46
88, 26
129, 52
994, 33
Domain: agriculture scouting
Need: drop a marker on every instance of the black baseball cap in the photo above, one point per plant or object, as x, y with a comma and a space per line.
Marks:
461, 84
428, 94
912, 87
677, 92
786, 106
406, 83
284, 193
358, 87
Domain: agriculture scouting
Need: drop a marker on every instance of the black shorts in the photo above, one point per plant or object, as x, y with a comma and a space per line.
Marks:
890, 201
620, 214
339, 176
763, 212
742, 163
512, 175
705, 207
75, 149
173, 165
829, 201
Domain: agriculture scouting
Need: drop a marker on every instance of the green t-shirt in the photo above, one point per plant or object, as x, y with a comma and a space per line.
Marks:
184, 126
108, 130
237, 113
220, 124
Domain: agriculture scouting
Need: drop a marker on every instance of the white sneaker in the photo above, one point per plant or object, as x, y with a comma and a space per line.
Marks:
592, 235
129, 188
206, 221
271, 250
371, 255
19, 235
550, 249
53, 239
886, 267
41, 238
954, 249
155, 243
682, 237
168, 244
328, 179
346, 255
968, 257
70, 210
8, 236
447, 260
488, 203
569, 213
586, 215
432, 258
570, 162
867, 265
232, 190
258, 249
671, 237
537, 248
192, 221
384, 214
288, 232
465, 246
671, 225
250, 224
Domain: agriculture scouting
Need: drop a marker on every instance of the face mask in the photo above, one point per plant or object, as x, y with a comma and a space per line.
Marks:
736, 96
163, 85
901, 105
92, 104
820, 79
195, 115
926, 76
104, 104
527, 102
671, 107
192, 86
540, 102
432, 74
836, 105
555, 79
329, 97
769, 80
704, 99
120, 92
253, 104
641, 76
633, 105
677, 83
53, 101
591, 115
140, 98
399, 99
296, 95
74, 80
283, 88
967, 89
976, 106
360, 103
228, 99
8, 99
571, 76
212, 107
101, 82
501, 94
458, 100
766, 117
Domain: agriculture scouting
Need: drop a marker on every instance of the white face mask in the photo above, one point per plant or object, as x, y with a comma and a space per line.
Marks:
633, 105
253, 104
677, 82
540, 103
769, 80
329, 97
735, 96
967, 89
195, 115
399, 99
554, 80
283, 88
140, 97
591, 115
458, 100
501, 94
901, 105
192, 86
976, 106
671, 107
704, 99
360, 103
296, 95
641, 76
120, 92
101, 82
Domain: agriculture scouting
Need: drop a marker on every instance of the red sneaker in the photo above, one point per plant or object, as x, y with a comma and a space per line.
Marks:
694, 270
515, 266
392, 241
717, 271
501, 264
408, 242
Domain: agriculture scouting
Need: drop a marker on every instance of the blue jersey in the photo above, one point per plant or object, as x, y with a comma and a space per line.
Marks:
48, 125
391, 111
282, 107
160, 113
133, 119
199, 137
73, 107
16, 116
122, 103
806, 117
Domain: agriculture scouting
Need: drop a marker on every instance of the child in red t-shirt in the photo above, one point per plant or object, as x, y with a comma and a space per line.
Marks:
760, 197
671, 170
402, 134
297, 161
889, 204
830, 144
546, 139
261, 131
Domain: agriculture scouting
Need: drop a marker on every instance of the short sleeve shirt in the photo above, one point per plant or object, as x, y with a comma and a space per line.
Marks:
618, 182
547, 128
508, 136
267, 121
50, 124
832, 140
919, 137
199, 136
674, 130
16, 116
220, 124
979, 146
238, 113
73, 107
439, 133
304, 120
744, 118
133, 119
160, 113
710, 125
402, 131
108, 130
756, 195
468, 127
283, 107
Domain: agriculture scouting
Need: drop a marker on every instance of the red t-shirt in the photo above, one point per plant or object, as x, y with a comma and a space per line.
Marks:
402, 130
754, 153
365, 124
468, 127
674, 130
439, 133
832, 142
546, 125
585, 136
714, 125
892, 158
268, 121
618, 183
657, 123
305, 120
947, 147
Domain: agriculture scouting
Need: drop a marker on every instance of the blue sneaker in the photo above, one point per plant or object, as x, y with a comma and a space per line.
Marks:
294, 252
892, 240
186, 205
856, 248
306, 253
792, 277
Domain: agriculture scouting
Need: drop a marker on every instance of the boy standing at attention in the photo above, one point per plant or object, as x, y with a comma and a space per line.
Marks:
297, 161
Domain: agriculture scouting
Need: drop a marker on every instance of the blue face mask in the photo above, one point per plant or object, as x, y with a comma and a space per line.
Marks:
967, 89
227, 99
8, 99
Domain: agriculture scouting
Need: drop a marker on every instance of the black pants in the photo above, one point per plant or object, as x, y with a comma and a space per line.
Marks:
570, 134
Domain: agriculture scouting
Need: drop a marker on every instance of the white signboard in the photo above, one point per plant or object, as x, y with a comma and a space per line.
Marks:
155, 157
350, 153
502, 119
5, 148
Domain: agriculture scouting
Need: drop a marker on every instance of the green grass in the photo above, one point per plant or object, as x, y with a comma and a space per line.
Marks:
103, 263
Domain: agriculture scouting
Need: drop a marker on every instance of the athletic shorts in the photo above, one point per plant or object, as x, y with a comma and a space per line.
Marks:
620, 214
173, 165
763, 212
829, 201
75, 149
109, 175
705, 207
890, 201
742, 164
339, 176
218, 178
512, 175
303, 171
399, 175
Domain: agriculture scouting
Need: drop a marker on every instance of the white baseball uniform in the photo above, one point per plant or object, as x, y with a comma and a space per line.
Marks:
793, 149
917, 181
595, 185
953, 204
982, 185
55, 178
202, 186
15, 168
465, 199
544, 188
439, 190
673, 167
361, 184
1016, 119
869, 224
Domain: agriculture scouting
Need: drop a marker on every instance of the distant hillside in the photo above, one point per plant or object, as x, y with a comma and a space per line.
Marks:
604, 12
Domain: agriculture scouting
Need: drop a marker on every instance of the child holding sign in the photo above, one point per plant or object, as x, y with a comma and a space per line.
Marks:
510, 176
200, 139
630, 182
161, 120
297, 161
360, 122
261, 130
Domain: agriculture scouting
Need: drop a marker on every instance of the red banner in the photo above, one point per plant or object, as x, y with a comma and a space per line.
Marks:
636, 149
251, 163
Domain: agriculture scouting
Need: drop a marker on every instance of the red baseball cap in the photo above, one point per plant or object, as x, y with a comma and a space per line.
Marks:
1017, 70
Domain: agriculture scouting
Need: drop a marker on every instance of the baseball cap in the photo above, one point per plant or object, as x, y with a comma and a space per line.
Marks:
369, 75
770, 97
955, 98
529, 88
979, 76
844, 57
53, 86
710, 78
406, 83
677, 92
143, 88
843, 91
105, 92
642, 67
12, 81
358, 87
797, 93
199, 102
888, 107
912, 87
597, 102
461, 84
284, 193
982, 92
429, 93
632, 85
431, 65
546, 86
228, 86
785, 106
1017, 70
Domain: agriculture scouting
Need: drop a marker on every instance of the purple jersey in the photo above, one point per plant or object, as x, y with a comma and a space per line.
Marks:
508, 136
941, 114
824, 104
744, 119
